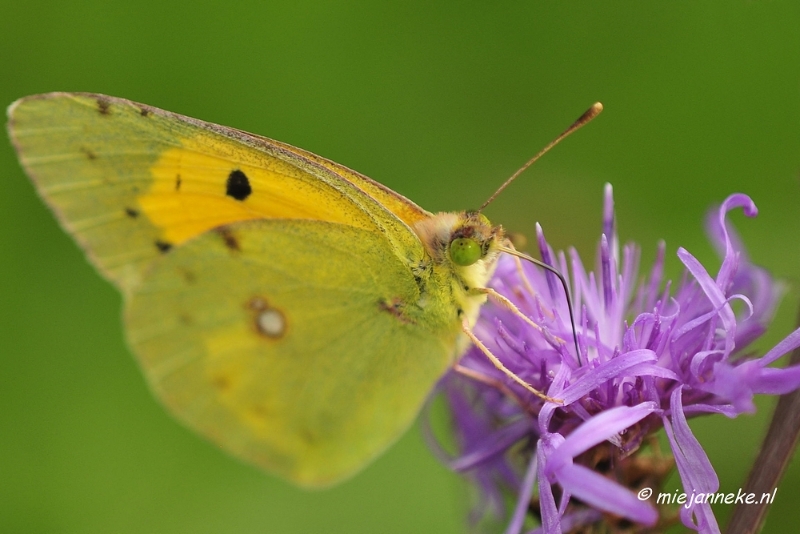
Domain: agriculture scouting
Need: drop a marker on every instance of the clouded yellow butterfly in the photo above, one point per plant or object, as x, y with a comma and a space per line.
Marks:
291, 310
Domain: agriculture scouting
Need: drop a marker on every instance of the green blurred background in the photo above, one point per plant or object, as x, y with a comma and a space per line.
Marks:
440, 101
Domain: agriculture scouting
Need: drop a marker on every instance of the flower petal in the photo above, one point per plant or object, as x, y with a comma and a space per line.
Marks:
524, 498
731, 258
694, 468
790, 342
596, 430
623, 365
604, 494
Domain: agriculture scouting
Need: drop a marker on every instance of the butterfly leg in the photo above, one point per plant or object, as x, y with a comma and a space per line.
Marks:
510, 306
490, 381
502, 368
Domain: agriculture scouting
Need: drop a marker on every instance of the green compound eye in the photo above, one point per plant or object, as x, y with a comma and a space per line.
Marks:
464, 251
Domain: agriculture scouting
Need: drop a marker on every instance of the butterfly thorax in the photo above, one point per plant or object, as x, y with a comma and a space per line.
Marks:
463, 248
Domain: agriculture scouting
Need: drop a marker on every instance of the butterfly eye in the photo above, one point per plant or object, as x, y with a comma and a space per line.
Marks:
464, 251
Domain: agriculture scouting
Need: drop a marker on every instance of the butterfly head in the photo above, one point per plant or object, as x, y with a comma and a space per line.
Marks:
464, 242
462, 248
472, 239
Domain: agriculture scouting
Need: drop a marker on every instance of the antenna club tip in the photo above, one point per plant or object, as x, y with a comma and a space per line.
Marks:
587, 116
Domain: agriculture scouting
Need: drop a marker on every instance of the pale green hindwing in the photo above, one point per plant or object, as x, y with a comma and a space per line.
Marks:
297, 345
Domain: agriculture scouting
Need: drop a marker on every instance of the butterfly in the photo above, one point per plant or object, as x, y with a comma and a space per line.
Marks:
291, 310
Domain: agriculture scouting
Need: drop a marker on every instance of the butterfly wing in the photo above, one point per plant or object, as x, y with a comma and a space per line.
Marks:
131, 181
403, 208
297, 345
270, 294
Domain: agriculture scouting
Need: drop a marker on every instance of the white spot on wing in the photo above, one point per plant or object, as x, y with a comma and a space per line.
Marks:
271, 322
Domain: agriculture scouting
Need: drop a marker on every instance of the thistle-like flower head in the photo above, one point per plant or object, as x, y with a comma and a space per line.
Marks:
652, 353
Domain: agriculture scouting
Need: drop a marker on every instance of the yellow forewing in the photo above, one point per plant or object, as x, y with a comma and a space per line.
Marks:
326, 389
131, 181
406, 210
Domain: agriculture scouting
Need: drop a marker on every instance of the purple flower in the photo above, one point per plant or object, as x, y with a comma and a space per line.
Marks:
652, 354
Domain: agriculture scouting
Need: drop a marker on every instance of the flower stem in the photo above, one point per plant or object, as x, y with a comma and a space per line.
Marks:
773, 458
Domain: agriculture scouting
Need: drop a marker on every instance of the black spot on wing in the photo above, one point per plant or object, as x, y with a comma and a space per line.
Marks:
103, 106
132, 213
144, 112
238, 185
229, 238
163, 246
89, 154
177, 182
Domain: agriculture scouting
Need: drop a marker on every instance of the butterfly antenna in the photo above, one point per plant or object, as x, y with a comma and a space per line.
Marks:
584, 119
563, 281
